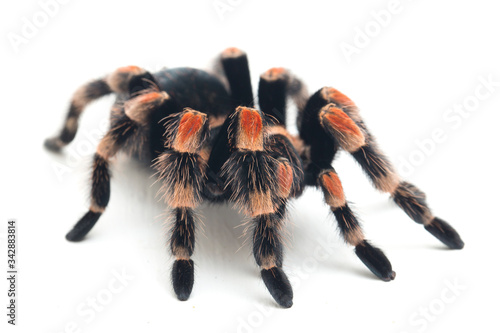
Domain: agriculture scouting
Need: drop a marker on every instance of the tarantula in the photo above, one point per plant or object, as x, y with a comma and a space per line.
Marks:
207, 141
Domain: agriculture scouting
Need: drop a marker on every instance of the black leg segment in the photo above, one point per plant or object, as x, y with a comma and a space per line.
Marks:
445, 233
83, 226
183, 278
375, 260
278, 285
273, 92
100, 194
235, 64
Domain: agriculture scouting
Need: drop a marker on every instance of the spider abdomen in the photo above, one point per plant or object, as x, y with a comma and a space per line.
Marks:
195, 88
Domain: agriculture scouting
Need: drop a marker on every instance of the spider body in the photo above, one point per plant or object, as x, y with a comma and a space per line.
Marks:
189, 87
207, 141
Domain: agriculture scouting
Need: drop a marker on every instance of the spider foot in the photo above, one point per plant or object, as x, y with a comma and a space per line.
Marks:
54, 144
82, 227
445, 233
183, 278
278, 285
375, 260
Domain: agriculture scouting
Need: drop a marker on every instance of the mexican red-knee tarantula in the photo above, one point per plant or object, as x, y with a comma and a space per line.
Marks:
206, 140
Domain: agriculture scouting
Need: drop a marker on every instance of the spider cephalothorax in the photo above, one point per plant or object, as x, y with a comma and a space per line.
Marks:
207, 141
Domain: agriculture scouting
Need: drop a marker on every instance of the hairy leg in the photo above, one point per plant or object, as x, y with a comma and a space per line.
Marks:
339, 117
116, 82
181, 170
260, 185
127, 127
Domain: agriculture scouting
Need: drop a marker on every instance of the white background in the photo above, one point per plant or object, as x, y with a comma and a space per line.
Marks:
429, 57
